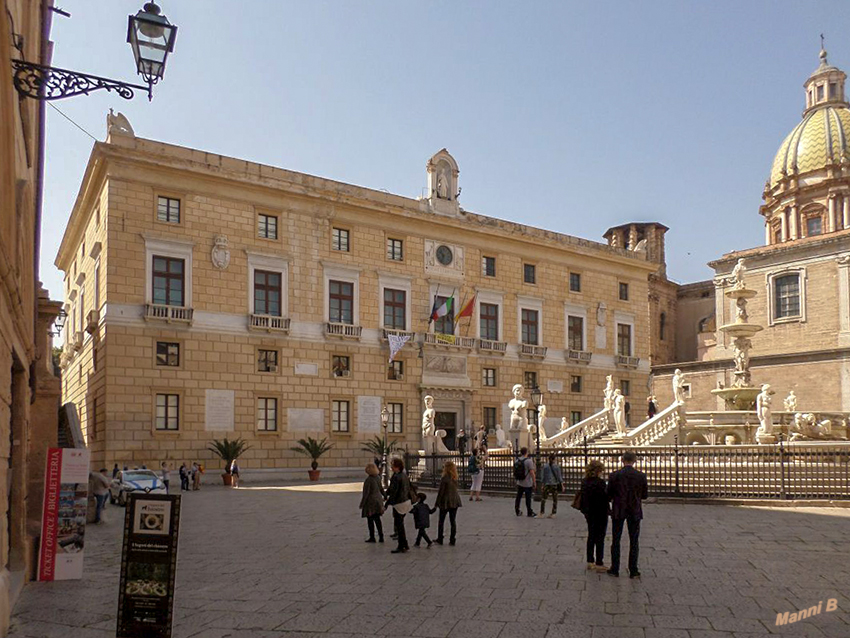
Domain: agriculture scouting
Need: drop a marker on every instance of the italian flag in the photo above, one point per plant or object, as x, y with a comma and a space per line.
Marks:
444, 309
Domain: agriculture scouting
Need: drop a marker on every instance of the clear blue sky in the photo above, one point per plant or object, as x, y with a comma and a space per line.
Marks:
569, 116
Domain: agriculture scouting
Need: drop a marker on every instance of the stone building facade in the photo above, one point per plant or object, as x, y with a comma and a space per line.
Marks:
210, 296
802, 273
29, 392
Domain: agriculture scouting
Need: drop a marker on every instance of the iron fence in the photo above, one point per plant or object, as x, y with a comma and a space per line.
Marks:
784, 471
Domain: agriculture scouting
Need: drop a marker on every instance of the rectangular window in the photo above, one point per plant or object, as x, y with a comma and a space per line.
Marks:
341, 365
489, 377
489, 418
167, 411
488, 266
82, 305
168, 281
445, 325
97, 216
267, 226
168, 210
267, 293
167, 353
395, 371
341, 302
340, 416
814, 226
575, 282
395, 250
341, 240
395, 424
575, 332
530, 380
266, 360
529, 327
97, 286
624, 340
625, 387
489, 321
529, 273
786, 292
624, 292
395, 302
575, 417
266, 414
575, 383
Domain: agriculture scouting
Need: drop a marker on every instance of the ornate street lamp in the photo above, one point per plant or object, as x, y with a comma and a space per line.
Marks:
151, 37
385, 418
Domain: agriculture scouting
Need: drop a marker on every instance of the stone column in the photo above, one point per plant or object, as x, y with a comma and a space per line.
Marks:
831, 221
846, 211
794, 231
767, 233
784, 225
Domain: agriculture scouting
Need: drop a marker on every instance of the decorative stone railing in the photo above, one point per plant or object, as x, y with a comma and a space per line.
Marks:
577, 356
343, 330
575, 435
450, 341
385, 332
661, 424
537, 352
497, 347
269, 323
161, 312
627, 362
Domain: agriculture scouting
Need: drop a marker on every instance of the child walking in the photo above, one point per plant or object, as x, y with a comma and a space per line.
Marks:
422, 519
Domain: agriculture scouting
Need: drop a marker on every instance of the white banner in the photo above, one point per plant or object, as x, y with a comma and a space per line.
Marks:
396, 343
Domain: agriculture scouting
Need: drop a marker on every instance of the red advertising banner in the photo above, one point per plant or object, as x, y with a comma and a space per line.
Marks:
63, 521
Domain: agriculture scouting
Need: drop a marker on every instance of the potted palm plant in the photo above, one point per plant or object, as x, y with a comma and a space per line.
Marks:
314, 449
228, 451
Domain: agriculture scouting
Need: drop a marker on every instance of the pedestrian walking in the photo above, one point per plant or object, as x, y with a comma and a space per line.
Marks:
594, 506
196, 477
100, 488
525, 477
184, 477
422, 520
448, 500
651, 407
551, 483
166, 475
476, 470
398, 496
234, 473
627, 487
372, 503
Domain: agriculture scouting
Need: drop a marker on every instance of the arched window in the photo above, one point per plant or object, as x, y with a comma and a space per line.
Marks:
662, 325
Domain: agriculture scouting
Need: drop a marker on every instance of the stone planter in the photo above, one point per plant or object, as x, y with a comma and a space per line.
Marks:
227, 478
314, 474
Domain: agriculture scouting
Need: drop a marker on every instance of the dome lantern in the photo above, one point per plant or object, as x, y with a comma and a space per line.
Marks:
825, 85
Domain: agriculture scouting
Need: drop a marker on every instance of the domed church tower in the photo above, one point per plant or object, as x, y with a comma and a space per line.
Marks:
808, 192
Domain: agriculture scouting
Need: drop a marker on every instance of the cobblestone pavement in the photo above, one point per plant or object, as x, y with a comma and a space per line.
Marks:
273, 562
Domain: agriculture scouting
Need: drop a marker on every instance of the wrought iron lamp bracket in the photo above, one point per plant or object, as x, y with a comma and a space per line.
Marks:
50, 83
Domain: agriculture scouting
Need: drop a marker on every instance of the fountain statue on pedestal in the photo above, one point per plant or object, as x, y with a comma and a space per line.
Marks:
609, 392
620, 413
501, 439
678, 386
765, 416
791, 402
519, 407
428, 417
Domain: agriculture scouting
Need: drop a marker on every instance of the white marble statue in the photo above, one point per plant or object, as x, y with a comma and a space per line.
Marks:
541, 423
518, 407
439, 435
442, 186
620, 412
806, 426
564, 424
501, 439
428, 417
764, 412
609, 392
738, 273
791, 402
678, 386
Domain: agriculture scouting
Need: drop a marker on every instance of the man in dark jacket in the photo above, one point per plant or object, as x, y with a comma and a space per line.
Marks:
399, 496
626, 489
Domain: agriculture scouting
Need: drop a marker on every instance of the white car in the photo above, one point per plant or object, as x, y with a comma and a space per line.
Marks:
138, 481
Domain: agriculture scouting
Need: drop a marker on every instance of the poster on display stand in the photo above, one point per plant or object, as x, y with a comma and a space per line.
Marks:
148, 566
63, 519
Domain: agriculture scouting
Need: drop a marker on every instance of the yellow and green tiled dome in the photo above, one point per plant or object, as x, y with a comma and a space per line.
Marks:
823, 137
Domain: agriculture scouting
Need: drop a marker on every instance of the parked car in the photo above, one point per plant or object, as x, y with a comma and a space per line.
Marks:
130, 481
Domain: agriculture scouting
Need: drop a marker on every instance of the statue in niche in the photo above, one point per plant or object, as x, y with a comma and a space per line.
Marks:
442, 185
678, 386
738, 274
791, 402
620, 412
609, 392
518, 407
764, 411
428, 417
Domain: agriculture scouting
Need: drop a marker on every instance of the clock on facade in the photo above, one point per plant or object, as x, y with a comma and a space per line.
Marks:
444, 255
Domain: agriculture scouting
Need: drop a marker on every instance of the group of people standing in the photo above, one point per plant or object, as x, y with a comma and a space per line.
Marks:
404, 499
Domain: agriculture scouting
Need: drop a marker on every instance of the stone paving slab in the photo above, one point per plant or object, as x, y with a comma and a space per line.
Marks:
290, 562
